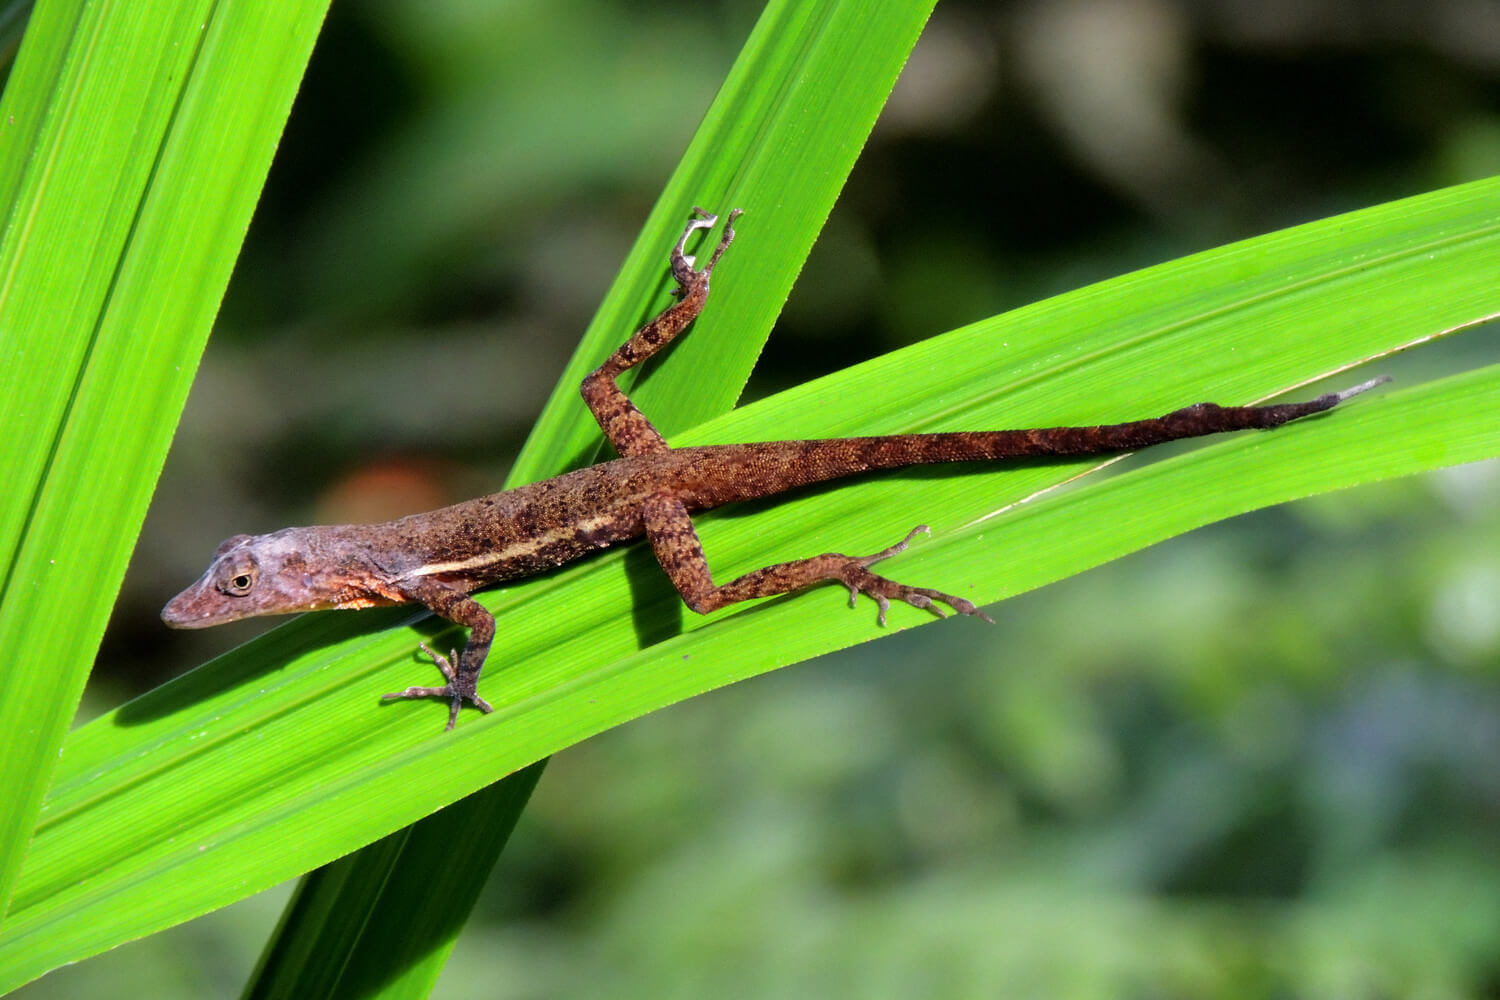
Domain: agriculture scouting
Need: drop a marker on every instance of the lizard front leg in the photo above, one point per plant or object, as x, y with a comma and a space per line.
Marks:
675, 542
462, 672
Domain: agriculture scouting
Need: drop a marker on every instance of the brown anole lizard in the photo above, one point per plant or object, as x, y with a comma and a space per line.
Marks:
438, 558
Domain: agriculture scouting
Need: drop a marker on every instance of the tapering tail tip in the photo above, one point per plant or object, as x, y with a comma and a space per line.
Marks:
1362, 387
1329, 401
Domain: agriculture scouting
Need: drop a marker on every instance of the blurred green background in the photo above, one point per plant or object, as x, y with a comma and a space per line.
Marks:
1260, 760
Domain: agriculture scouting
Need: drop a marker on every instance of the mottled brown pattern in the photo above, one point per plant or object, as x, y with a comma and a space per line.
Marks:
436, 558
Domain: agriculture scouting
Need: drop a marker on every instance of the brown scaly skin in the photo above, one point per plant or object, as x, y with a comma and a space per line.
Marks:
437, 558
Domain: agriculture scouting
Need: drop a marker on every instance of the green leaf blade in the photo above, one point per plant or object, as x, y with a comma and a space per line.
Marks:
109, 278
314, 764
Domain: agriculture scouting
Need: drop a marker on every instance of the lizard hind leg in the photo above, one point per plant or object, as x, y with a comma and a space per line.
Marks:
678, 549
625, 426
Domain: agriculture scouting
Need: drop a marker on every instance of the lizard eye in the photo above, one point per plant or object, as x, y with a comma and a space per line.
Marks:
237, 580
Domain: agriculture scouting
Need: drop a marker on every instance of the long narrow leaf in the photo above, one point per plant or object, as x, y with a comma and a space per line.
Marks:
812, 77
116, 250
338, 937
279, 756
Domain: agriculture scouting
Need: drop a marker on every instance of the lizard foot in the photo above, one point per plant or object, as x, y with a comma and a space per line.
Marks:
684, 265
457, 690
857, 577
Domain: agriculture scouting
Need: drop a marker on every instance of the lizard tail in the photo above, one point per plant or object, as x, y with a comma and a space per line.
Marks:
768, 468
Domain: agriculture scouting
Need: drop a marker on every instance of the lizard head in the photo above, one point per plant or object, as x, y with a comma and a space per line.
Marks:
254, 575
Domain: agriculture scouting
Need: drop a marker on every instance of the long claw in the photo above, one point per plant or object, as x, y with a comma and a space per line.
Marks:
684, 264
860, 580
724, 240
900, 546
418, 692
444, 663
680, 256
